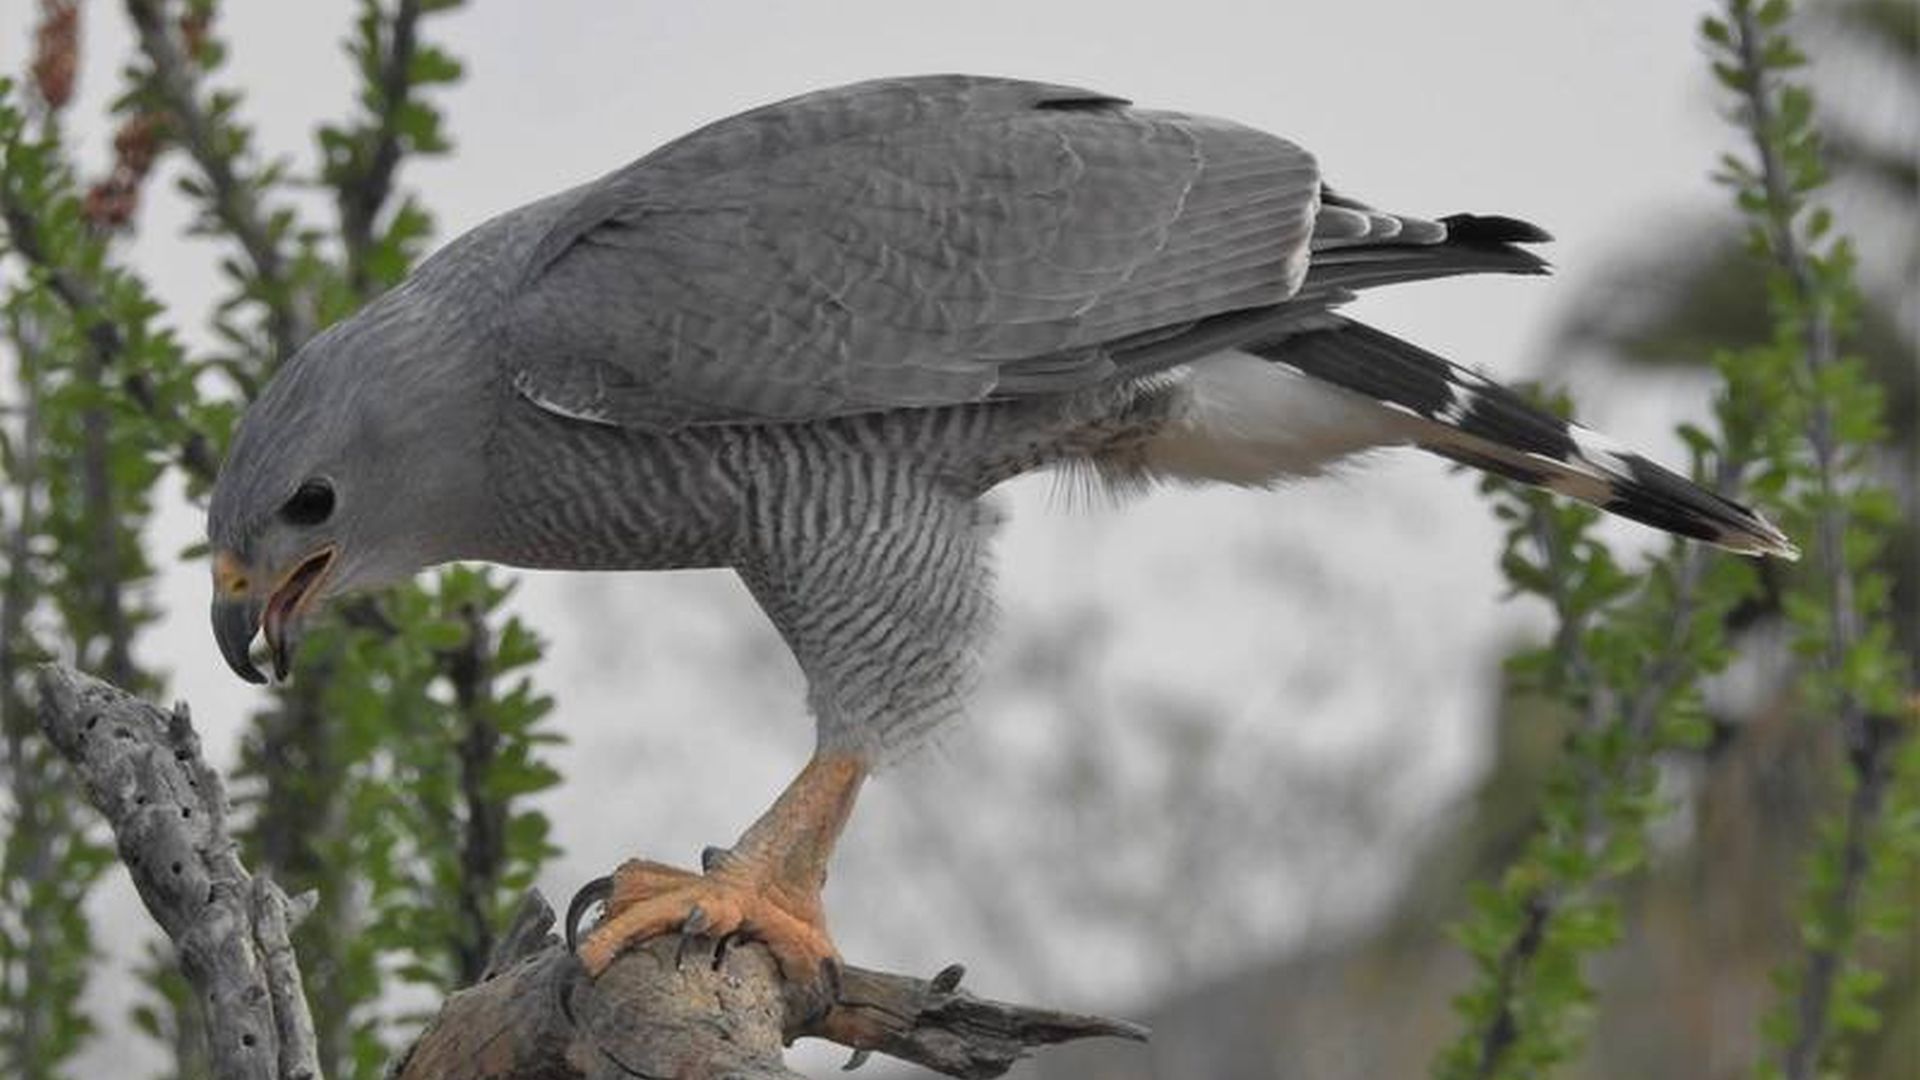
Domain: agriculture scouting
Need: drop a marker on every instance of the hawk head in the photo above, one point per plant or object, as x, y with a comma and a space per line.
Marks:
357, 466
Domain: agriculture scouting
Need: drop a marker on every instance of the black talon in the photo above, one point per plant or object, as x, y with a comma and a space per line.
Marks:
695, 925
858, 1058
597, 891
726, 942
713, 858
948, 979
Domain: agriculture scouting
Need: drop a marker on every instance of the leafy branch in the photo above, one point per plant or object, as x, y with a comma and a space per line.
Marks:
1795, 428
1626, 658
45, 228
232, 194
72, 558
1840, 612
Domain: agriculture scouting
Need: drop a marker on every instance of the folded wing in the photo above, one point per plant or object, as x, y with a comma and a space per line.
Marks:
909, 242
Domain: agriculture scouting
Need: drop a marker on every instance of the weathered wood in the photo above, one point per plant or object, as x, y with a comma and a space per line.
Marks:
649, 1015
936, 1024
681, 1007
669, 1009
141, 767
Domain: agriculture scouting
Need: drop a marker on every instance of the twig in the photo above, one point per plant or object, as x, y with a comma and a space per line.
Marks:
362, 199
141, 768
484, 824
233, 198
1821, 352
1503, 1028
1638, 714
936, 1024
1872, 773
274, 916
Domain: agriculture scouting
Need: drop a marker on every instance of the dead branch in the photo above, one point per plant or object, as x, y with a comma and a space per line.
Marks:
141, 767
685, 1008
679, 1009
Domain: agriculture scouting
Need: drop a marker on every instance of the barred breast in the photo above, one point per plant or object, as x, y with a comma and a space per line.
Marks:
863, 538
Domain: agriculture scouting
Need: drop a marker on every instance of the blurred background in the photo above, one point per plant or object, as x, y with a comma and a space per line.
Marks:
1239, 754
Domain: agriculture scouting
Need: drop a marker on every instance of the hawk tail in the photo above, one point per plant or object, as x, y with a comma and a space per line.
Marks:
1461, 415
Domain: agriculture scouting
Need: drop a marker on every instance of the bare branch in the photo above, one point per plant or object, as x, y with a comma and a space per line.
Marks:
680, 1007
141, 768
273, 918
483, 852
671, 1009
934, 1023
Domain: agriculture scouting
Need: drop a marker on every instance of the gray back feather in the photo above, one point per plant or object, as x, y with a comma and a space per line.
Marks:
908, 242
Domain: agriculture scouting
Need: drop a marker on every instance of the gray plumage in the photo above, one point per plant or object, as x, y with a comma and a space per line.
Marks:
802, 343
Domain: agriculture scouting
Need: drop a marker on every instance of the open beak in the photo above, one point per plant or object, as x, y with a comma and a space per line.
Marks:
235, 621
238, 618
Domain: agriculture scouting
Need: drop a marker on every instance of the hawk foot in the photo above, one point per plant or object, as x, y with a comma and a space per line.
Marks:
766, 887
734, 901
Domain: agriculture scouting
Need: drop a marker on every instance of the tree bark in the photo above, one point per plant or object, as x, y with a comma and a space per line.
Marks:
680, 1007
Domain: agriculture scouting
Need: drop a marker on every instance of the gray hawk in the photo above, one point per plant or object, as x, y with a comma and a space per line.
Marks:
803, 342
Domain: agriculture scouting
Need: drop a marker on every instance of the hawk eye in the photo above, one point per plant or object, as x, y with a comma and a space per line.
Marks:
310, 505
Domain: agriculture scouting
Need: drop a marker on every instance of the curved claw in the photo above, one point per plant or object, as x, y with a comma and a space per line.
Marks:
597, 891
727, 942
695, 925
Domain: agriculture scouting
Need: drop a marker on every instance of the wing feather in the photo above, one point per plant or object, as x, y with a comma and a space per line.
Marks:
907, 242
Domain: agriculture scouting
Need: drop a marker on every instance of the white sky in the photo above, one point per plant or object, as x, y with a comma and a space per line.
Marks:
1378, 614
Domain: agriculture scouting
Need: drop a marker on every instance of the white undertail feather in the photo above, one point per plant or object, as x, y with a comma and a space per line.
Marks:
1459, 414
1248, 421
1253, 420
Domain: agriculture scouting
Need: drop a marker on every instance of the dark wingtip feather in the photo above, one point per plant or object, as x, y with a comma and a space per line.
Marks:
1666, 500
1491, 229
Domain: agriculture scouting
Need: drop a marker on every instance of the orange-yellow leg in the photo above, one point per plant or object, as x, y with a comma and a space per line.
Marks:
766, 888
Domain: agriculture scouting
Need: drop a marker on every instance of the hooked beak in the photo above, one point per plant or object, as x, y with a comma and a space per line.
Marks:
238, 617
235, 621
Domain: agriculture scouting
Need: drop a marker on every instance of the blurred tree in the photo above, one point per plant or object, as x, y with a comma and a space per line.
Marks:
1671, 304
78, 467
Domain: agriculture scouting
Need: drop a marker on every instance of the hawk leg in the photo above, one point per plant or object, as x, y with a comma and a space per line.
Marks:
767, 887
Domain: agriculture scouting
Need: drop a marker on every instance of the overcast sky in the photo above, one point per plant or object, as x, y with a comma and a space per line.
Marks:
1382, 615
